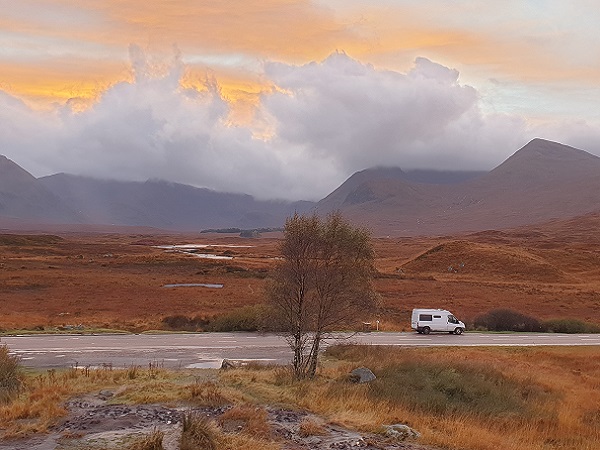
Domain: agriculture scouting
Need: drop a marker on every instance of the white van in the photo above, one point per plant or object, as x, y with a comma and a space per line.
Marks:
427, 320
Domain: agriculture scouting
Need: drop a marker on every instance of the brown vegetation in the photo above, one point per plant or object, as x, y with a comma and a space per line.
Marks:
116, 281
481, 399
458, 398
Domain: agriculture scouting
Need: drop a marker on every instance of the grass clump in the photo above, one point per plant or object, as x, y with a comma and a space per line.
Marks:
152, 441
198, 433
207, 393
310, 426
248, 419
10, 377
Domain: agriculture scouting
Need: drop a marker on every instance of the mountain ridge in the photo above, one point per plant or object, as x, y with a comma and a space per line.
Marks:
541, 181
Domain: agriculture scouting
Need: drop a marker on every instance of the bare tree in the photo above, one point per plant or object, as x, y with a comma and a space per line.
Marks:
323, 283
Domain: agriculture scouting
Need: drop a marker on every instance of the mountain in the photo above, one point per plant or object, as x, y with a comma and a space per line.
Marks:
165, 205
542, 181
23, 197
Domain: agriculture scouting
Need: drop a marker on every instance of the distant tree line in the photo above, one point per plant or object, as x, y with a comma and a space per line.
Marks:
242, 231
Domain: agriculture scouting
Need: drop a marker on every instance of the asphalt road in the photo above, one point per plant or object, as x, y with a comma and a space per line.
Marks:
207, 350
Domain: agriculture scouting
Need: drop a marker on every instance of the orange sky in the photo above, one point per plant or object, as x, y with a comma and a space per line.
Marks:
54, 50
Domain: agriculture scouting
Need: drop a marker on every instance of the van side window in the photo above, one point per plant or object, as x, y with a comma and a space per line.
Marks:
452, 319
425, 317
437, 317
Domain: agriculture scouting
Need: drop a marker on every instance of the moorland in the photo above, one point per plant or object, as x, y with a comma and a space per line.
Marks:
459, 398
121, 280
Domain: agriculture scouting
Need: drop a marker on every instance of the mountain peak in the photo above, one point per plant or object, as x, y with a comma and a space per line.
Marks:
541, 148
12, 175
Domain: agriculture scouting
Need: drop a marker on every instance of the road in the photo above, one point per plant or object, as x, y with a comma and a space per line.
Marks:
207, 350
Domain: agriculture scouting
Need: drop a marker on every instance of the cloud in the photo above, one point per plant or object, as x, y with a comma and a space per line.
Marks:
356, 116
322, 122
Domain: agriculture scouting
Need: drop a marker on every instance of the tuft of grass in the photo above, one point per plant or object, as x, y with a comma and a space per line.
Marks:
152, 441
310, 426
208, 393
10, 375
198, 433
251, 420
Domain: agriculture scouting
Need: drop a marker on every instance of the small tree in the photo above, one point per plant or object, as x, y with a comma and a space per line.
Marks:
323, 283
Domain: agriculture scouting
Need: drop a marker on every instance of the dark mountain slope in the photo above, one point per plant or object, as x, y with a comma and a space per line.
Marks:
23, 197
166, 205
542, 181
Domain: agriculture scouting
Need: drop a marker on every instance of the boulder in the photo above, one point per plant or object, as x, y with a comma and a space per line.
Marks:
400, 432
362, 375
230, 364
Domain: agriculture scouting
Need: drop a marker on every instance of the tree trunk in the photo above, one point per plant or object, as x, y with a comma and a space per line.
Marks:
314, 355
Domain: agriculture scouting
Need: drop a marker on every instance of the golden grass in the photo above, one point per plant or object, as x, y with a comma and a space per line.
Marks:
559, 389
251, 420
550, 397
152, 441
311, 426
206, 434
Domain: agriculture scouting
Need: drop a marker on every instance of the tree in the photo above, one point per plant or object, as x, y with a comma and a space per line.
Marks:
323, 283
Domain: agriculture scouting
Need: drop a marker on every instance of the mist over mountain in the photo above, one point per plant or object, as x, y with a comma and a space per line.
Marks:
544, 180
166, 205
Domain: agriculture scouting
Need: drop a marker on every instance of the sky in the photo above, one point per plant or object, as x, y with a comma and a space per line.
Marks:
285, 99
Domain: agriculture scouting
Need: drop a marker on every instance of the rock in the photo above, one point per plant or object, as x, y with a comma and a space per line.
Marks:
229, 364
104, 395
362, 375
400, 432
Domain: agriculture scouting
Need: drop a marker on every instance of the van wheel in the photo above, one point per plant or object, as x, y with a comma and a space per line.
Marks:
458, 330
426, 330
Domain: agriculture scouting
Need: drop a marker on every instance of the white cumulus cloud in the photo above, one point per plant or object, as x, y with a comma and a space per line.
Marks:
326, 119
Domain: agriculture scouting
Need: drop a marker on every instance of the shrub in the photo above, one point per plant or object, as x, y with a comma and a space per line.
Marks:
10, 379
248, 318
507, 320
570, 326
184, 323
